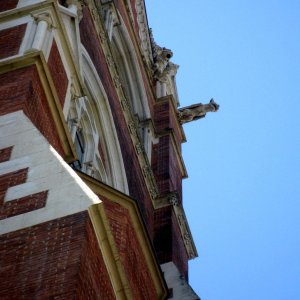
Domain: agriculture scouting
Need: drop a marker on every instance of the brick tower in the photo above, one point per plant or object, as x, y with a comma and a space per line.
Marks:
90, 155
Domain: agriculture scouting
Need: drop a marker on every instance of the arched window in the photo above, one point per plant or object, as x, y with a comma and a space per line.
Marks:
93, 131
132, 83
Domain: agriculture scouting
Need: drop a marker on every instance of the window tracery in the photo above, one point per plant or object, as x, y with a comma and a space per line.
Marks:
92, 129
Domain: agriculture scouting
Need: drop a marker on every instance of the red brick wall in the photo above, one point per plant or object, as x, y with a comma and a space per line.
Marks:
167, 239
94, 281
168, 242
130, 252
5, 154
59, 259
160, 164
164, 159
22, 90
10, 39
165, 166
58, 73
11, 179
42, 262
163, 234
174, 169
136, 183
22, 205
8, 4
166, 118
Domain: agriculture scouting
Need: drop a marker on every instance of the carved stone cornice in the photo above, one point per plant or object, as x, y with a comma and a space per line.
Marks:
139, 148
173, 199
44, 17
144, 32
185, 231
161, 60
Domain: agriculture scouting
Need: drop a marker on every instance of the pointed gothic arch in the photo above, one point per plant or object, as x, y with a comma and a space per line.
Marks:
102, 155
133, 85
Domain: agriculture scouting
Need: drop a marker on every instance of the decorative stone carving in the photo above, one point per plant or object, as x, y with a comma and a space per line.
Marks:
132, 128
163, 69
161, 57
187, 238
173, 199
76, 7
95, 14
196, 111
180, 220
44, 18
143, 31
44, 24
110, 60
172, 68
103, 38
147, 171
117, 81
153, 193
139, 148
125, 104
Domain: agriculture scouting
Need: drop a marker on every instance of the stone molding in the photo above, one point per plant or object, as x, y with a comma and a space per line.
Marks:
185, 231
144, 32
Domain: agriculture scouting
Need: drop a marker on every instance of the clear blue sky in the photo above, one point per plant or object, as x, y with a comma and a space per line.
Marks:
242, 196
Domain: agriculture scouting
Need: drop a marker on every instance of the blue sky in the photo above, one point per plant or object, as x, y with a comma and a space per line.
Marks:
243, 191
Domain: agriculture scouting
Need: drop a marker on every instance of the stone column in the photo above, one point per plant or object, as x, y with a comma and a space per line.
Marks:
44, 22
161, 87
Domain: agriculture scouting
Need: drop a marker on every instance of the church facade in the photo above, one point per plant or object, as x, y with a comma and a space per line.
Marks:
91, 166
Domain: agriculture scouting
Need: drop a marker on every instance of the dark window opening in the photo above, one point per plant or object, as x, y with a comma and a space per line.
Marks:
79, 148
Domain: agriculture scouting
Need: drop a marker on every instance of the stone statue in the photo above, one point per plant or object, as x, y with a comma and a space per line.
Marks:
196, 111
161, 57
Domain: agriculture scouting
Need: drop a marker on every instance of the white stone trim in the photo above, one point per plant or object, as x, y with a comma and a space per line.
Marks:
23, 3
67, 193
144, 31
176, 281
105, 118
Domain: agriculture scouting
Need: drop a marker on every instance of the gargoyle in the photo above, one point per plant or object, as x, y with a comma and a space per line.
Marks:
161, 57
161, 60
196, 111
